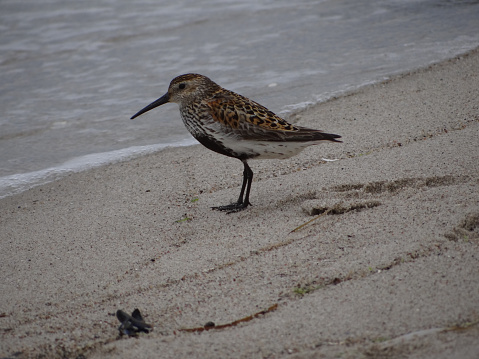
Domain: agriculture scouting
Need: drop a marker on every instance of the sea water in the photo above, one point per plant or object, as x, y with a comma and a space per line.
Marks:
73, 72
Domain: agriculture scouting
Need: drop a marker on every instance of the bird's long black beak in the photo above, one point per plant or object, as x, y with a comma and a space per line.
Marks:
162, 100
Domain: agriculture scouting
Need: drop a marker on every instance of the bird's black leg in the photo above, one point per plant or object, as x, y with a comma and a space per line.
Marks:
242, 202
247, 180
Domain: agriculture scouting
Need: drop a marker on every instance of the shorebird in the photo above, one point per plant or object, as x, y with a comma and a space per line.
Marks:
233, 125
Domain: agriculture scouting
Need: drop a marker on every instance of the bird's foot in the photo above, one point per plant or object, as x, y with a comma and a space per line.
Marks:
233, 207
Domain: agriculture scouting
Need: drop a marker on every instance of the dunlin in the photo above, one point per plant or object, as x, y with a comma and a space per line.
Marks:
235, 126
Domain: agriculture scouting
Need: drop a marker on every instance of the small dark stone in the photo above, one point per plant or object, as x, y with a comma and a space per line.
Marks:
132, 324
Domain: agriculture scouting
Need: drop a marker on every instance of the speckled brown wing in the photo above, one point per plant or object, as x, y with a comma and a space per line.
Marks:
252, 121
235, 111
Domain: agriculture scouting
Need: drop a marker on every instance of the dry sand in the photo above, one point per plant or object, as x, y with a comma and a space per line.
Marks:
392, 270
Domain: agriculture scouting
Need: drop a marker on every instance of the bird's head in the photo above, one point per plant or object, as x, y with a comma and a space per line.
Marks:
183, 89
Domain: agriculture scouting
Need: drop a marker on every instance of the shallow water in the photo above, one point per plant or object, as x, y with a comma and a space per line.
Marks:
72, 73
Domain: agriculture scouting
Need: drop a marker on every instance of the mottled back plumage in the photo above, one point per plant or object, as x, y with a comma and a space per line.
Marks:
235, 126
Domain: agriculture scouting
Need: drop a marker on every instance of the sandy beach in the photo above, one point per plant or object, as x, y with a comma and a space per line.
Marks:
388, 265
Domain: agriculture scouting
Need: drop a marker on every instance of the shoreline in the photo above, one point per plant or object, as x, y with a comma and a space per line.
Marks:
397, 257
43, 176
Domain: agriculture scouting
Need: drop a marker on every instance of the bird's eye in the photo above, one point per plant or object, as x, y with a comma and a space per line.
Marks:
182, 86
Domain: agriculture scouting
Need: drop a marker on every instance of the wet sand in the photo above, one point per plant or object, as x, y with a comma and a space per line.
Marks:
390, 268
